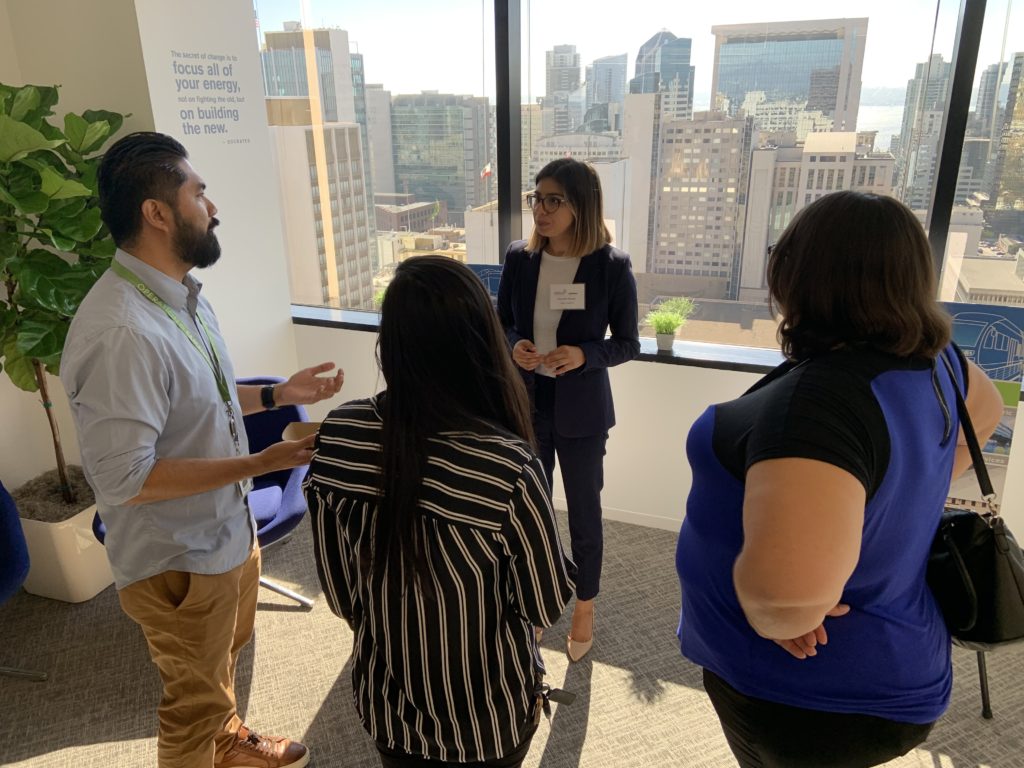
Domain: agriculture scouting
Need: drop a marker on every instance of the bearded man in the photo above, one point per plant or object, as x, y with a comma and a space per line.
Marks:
163, 445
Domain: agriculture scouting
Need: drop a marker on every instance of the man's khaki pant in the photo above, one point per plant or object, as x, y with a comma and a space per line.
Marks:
195, 626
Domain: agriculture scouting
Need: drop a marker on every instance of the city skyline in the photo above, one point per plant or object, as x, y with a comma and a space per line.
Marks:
896, 41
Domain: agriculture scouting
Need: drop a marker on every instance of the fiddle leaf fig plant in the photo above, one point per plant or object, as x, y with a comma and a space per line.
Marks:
53, 245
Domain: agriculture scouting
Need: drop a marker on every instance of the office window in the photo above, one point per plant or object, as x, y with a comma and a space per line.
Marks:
394, 144
784, 89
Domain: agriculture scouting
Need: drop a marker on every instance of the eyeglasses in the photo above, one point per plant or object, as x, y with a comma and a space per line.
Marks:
550, 203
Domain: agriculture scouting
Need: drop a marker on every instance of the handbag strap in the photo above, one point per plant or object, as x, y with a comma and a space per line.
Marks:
980, 470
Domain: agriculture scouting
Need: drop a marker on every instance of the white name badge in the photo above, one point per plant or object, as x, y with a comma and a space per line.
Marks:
568, 296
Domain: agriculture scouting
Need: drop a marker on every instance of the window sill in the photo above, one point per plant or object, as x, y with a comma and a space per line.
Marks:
695, 354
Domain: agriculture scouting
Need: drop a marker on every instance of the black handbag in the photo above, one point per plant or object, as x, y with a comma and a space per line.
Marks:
976, 568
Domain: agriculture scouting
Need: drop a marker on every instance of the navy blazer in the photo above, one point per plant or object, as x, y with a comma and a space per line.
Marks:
583, 397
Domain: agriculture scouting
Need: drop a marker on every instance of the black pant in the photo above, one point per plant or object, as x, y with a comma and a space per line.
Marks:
395, 758
764, 734
581, 460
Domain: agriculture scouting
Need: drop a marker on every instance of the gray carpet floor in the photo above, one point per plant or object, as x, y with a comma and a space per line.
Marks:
639, 703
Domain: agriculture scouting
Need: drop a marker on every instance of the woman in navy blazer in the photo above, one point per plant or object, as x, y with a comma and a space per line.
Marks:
558, 296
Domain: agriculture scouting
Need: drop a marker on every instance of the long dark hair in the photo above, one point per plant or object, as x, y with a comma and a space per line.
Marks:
856, 269
446, 363
582, 188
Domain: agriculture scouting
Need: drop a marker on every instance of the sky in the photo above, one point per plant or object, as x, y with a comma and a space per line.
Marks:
448, 45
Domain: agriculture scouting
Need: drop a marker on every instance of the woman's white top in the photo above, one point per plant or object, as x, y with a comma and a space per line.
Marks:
554, 270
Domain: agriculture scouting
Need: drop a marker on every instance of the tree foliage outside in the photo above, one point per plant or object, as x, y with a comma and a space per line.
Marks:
53, 245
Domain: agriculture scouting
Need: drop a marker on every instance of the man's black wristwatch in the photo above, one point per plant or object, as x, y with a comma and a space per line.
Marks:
267, 397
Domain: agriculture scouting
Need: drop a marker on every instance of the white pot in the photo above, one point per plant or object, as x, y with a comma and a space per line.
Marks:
665, 341
65, 560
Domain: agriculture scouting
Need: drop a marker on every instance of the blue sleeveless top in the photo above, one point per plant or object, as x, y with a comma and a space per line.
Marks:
892, 423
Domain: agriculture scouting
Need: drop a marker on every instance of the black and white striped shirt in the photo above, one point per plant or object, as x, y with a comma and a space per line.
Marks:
448, 676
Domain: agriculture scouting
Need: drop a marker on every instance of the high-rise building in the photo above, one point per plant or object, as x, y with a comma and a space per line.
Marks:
787, 176
562, 70
378, 125
816, 62
442, 149
985, 121
284, 69
531, 127
606, 80
1006, 214
922, 123
326, 213
341, 83
700, 201
663, 66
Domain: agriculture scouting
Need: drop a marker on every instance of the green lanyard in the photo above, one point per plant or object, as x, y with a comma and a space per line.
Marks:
214, 362
212, 358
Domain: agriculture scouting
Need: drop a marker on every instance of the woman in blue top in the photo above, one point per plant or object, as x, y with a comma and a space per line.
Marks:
816, 496
559, 295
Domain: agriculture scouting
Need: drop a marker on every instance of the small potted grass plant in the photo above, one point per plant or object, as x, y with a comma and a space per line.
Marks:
667, 318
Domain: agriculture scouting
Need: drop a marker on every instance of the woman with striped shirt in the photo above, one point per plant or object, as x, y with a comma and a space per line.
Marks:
434, 534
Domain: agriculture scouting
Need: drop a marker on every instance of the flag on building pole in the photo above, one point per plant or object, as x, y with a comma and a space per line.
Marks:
486, 171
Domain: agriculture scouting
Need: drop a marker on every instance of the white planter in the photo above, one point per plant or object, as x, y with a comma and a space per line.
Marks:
665, 341
66, 561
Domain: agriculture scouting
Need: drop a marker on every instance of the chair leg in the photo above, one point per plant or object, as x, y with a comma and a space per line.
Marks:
274, 587
986, 702
26, 674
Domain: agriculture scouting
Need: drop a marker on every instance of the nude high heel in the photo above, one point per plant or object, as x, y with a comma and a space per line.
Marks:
577, 649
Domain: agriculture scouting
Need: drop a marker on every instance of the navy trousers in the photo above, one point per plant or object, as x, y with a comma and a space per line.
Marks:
581, 461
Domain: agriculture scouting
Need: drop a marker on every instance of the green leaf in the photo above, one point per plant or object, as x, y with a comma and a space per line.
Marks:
42, 337
102, 248
9, 246
26, 100
113, 119
96, 134
32, 203
60, 242
57, 187
48, 282
81, 229
75, 128
17, 140
23, 180
18, 366
66, 209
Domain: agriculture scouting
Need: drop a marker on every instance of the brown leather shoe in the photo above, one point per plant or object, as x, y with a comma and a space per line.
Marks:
254, 751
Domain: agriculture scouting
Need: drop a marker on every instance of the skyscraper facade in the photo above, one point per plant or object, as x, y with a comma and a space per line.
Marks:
922, 120
326, 213
986, 108
441, 147
784, 178
701, 200
606, 80
663, 66
284, 69
378, 123
1007, 200
816, 62
562, 70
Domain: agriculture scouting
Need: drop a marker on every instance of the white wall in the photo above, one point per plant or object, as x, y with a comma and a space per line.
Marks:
10, 74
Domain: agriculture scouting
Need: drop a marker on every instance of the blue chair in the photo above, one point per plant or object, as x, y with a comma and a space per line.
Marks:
276, 499
13, 567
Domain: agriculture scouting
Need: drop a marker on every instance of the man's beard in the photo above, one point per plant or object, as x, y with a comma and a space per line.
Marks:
199, 248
